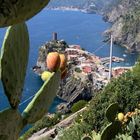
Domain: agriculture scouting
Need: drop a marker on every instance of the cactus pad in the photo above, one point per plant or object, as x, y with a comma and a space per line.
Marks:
86, 138
17, 11
111, 131
42, 100
14, 58
10, 124
112, 111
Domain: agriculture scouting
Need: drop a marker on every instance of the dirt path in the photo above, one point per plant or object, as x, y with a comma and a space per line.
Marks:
44, 133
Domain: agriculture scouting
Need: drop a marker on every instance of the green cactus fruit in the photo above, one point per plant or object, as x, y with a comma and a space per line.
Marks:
86, 138
17, 11
42, 100
111, 131
10, 124
14, 59
45, 75
112, 111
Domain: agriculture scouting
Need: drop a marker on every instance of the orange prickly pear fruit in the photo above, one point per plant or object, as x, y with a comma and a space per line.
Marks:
64, 73
53, 61
63, 62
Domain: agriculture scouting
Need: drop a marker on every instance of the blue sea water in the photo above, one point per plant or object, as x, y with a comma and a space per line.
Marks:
74, 27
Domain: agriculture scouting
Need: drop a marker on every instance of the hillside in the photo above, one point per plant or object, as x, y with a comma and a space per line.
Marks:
125, 17
101, 5
124, 14
121, 95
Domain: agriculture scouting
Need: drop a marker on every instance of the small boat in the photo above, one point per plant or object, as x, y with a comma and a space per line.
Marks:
124, 55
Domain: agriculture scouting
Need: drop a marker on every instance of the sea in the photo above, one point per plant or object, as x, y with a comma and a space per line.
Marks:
74, 27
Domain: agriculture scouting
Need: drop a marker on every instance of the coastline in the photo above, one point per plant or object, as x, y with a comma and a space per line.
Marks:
64, 8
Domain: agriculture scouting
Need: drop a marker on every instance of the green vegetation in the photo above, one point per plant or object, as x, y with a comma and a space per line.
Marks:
78, 70
124, 90
45, 122
132, 21
75, 132
126, 129
77, 106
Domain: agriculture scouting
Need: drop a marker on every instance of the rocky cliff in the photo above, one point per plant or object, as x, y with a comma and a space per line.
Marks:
125, 17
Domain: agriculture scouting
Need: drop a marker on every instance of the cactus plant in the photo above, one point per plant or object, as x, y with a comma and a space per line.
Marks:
11, 124
112, 111
45, 75
42, 100
15, 48
115, 126
111, 131
14, 58
13, 64
86, 138
63, 62
53, 61
96, 136
17, 11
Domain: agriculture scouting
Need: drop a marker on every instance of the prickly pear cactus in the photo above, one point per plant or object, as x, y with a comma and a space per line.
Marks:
86, 138
14, 58
13, 64
112, 111
111, 131
42, 100
96, 136
16, 11
10, 124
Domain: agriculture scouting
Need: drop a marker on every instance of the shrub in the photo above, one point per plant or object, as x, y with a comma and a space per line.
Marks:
78, 70
124, 90
75, 132
79, 105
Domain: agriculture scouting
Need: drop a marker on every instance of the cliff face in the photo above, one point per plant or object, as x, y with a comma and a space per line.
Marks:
125, 17
73, 89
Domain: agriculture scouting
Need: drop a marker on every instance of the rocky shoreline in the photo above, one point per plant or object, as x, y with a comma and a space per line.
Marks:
125, 24
64, 8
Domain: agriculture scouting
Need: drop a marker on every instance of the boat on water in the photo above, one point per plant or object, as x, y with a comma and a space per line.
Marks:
124, 55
